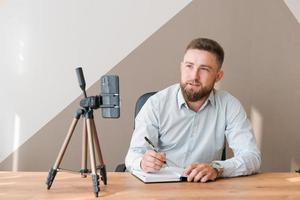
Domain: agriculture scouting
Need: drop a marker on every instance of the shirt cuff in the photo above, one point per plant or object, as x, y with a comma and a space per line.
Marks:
228, 168
137, 164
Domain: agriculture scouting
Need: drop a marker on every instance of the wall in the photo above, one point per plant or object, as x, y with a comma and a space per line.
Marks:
261, 42
43, 41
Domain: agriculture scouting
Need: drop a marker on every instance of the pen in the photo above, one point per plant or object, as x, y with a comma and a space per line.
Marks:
152, 145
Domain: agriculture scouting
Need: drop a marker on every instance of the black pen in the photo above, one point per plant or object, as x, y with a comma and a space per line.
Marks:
152, 145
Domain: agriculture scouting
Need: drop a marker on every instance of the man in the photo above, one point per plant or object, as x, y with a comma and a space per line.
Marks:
188, 123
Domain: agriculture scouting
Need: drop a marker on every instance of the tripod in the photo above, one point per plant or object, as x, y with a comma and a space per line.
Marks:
109, 102
90, 139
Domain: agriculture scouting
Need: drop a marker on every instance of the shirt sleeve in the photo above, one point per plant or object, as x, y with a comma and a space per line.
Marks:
146, 124
240, 138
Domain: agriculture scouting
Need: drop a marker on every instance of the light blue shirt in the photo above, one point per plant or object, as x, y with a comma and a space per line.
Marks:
187, 136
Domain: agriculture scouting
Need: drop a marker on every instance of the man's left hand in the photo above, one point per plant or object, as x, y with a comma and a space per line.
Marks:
200, 172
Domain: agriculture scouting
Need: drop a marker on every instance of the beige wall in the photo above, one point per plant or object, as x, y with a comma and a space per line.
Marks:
262, 44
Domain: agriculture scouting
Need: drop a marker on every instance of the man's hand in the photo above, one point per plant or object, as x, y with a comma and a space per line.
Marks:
152, 161
200, 172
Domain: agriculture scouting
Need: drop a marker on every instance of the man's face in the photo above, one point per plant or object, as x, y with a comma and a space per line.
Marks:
199, 72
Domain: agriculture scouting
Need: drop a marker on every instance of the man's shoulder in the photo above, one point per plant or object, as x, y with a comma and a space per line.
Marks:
223, 94
167, 92
163, 97
224, 97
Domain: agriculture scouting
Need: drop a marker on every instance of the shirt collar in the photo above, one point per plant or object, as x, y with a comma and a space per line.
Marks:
181, 101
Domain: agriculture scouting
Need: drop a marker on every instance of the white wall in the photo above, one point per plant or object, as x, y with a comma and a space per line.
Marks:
41, 43
294, 6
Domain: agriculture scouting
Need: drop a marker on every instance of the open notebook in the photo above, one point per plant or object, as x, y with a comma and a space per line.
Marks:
166, 174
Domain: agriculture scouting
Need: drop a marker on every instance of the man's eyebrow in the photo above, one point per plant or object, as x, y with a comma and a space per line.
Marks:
187, 62
207, 66
191, 63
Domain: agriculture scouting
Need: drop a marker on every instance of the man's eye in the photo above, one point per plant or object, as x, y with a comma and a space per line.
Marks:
189, 66
204, 69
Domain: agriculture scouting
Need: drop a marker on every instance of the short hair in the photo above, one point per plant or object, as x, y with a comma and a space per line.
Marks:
208, 45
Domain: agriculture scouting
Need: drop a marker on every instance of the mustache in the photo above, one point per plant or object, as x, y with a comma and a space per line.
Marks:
193, 82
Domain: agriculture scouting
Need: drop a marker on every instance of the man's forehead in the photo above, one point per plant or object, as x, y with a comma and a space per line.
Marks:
199, 53
199, 57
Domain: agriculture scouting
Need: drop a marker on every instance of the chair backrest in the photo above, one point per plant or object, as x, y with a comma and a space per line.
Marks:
141, 101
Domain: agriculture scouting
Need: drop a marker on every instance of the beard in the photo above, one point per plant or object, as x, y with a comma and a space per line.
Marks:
192, 95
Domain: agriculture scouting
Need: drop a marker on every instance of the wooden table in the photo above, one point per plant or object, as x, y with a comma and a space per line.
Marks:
31, 185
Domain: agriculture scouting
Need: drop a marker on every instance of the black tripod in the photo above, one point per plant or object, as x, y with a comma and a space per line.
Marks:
89, 138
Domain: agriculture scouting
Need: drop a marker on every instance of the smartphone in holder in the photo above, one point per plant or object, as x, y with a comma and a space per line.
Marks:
110, 96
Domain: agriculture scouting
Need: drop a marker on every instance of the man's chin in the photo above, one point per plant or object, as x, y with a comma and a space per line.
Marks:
193, 95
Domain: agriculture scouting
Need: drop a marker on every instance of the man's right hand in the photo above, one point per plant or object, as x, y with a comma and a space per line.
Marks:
152, 161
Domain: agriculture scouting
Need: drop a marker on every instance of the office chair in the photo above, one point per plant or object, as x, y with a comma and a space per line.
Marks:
139, 104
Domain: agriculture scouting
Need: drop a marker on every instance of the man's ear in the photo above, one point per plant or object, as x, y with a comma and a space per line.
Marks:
220, 75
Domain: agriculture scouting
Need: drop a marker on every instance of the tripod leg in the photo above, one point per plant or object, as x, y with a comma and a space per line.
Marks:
84, 169
95, 176
99, 154
53, 170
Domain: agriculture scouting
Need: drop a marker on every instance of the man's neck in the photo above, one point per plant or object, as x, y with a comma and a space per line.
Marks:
195, 106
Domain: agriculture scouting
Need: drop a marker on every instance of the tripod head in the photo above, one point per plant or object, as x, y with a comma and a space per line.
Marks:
108, 101
81, 80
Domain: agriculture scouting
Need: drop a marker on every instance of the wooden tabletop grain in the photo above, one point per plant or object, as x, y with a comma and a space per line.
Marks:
31, 185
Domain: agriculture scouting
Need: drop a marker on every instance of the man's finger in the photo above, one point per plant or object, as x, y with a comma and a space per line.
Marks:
159, 156
150, 163
205, 178
192, 175
150, 167
189, 168
151, 152
200, 175
211, 176
154, 160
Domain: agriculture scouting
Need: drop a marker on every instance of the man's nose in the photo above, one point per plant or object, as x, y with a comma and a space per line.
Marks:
196, 74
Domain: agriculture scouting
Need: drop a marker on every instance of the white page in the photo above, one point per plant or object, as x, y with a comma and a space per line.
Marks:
164, 175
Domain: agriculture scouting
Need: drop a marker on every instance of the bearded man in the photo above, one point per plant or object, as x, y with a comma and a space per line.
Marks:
189, 122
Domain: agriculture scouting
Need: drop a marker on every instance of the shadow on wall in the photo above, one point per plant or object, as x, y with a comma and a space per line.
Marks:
268, 77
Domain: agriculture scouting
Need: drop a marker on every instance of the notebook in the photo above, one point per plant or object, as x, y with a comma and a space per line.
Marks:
166, 174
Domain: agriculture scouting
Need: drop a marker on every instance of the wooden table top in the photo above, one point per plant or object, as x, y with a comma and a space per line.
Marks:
31, 185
